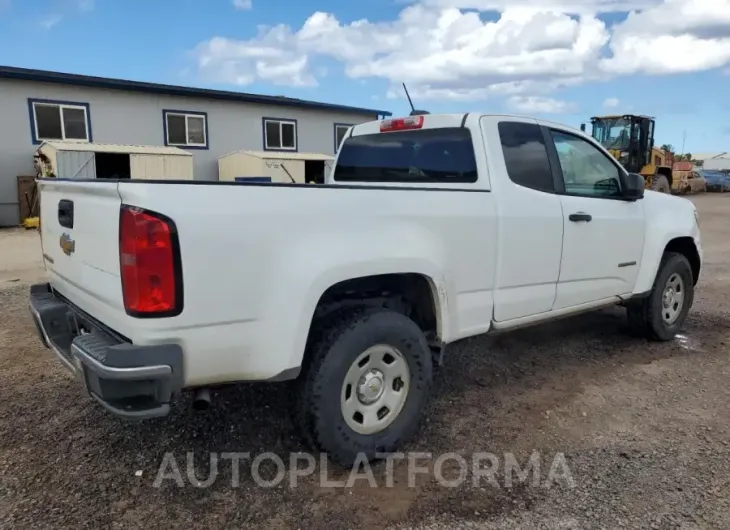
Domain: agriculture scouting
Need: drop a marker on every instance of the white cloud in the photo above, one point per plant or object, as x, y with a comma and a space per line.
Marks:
677, 36
242, 4
446, 49
611, 103
51, 21
560, 6
473, 94
437, 51
242, 63
539, 105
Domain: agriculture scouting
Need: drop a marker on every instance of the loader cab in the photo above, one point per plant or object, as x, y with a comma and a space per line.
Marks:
629, 138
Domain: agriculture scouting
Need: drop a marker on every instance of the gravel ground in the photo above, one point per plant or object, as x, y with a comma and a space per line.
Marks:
643, 427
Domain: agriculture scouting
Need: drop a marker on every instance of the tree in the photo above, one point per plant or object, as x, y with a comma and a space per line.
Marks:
669, 148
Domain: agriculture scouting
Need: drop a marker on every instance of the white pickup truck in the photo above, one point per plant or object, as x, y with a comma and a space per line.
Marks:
430, 229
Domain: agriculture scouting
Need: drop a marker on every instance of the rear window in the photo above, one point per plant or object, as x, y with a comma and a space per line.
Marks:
425, 155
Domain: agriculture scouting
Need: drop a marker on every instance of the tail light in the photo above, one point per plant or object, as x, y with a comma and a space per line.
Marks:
402, 124
149, 258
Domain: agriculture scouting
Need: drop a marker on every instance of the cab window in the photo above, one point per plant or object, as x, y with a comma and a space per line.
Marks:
426, 156
525, 155
585, 169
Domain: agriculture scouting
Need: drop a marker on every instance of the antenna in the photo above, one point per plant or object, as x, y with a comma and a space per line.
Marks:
414, 112
409, 98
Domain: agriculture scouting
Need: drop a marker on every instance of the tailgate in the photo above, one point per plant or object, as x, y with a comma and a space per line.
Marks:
80, 238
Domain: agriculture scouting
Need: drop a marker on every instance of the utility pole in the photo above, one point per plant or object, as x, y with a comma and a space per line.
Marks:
684, 138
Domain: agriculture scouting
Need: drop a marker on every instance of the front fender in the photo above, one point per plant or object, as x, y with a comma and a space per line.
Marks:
667, 218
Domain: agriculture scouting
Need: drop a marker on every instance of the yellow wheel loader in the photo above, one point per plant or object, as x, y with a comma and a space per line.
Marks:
630, 140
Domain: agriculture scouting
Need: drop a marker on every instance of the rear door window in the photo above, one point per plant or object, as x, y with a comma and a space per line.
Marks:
525, 155
426, 155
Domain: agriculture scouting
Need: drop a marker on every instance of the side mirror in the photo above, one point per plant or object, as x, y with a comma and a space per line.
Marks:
583, 127
632, 186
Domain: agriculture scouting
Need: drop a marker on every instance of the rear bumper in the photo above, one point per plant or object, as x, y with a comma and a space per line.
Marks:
132, 382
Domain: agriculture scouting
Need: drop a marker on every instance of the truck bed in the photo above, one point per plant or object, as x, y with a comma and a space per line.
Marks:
245, 246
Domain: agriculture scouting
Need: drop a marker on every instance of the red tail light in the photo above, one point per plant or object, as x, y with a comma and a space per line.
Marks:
401, 124
149, 257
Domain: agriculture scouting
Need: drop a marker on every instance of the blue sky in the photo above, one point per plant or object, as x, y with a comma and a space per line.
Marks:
538, 57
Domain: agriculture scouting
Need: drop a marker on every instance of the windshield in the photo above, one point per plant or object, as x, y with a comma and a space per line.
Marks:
425, 155
613, 133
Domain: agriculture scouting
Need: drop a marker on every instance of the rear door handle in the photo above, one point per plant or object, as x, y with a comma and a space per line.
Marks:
66, 213
580, 216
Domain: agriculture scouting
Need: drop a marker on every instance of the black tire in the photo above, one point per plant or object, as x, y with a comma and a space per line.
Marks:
332, 349
645, 315
661, 184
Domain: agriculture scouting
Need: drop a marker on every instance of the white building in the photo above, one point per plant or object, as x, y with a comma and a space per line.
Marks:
38, 105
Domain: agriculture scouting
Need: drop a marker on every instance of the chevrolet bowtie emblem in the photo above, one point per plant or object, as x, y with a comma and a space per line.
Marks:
67, 244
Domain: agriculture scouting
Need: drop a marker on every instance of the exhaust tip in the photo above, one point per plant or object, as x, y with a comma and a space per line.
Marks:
201, 400
200, 405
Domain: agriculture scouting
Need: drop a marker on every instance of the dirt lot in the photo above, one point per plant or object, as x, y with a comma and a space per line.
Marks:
21, 259
644, 429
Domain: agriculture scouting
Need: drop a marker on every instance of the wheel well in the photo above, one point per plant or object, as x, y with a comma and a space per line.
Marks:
408, 293
667, 172
686, 247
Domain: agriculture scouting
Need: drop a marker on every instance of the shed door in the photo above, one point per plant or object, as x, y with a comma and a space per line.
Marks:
178, 167
285, 170
147, 167
75, 165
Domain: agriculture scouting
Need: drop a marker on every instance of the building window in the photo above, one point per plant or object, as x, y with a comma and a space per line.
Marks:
280, 135
340, 132
59, 120
186, 129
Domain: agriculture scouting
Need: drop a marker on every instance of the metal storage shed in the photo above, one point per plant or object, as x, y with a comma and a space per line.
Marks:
720, 163
274, 166
75, 160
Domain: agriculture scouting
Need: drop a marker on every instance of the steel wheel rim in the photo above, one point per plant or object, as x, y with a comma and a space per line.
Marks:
375, 389
673, 299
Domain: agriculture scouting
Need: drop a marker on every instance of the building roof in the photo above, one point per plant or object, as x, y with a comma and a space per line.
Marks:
116, 148
709, 156
283, 155
44, 76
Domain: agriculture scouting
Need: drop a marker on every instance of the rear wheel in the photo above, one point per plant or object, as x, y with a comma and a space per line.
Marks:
661, 315
366, 384
660, 183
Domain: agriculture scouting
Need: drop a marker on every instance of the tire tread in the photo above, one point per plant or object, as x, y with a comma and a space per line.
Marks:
309, 389
641, 314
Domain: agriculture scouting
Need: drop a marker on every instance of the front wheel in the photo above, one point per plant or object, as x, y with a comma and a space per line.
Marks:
660, 183
662, 313
366, 384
